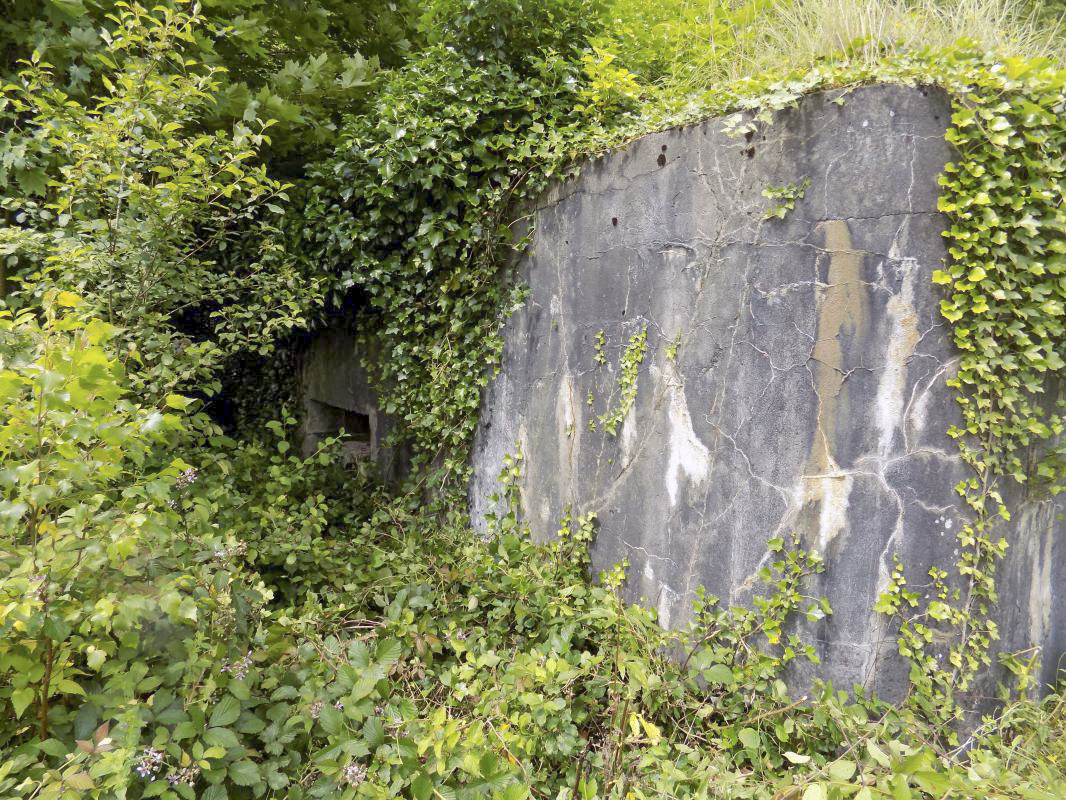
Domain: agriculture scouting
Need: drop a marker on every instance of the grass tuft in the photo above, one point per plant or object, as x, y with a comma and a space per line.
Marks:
707, 43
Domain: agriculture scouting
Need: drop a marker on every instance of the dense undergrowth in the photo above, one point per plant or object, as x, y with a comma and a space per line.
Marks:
189, 611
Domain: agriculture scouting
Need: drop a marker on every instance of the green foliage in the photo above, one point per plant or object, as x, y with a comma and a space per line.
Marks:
296, 63
149, 661
513, 33
414, 212
1007, 244
169, 232
1007, 298
628, 372
785, 198
680, 42
104, 606
610, 87
685, 46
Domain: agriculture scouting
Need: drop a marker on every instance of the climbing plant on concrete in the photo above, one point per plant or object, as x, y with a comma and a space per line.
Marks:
1006, 276
412, 212
1004, 197
628, 365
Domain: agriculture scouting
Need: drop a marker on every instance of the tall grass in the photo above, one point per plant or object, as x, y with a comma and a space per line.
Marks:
797, 33
701, 43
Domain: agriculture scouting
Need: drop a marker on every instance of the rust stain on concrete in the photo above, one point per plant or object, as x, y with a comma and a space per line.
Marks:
843, 315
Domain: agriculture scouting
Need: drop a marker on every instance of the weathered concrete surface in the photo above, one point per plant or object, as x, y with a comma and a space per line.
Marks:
332, 381
806, 393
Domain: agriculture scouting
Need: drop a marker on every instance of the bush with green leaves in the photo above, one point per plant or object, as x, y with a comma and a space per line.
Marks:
297, 63
140, 657
414, 212
112, 585
169, 231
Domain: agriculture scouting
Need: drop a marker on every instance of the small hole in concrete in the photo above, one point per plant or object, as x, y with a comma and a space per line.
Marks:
328, 420
749, 136
664, 148
614, 221
750, 152
357, 426
662, 160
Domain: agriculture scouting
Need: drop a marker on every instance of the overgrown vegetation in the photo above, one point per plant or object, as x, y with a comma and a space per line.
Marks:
189, 613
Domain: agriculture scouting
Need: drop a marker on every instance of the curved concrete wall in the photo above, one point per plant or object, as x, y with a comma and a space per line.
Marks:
805, 394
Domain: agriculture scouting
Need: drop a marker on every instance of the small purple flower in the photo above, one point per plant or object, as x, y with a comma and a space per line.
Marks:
239, 669
186, 478
354, 774
150, 763
187, 775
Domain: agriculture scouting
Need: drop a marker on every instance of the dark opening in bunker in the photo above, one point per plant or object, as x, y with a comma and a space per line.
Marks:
353, 427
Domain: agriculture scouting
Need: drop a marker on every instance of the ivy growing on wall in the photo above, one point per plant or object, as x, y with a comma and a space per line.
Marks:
413, 212
1004, 198
438, 316
418, 211
1006, 281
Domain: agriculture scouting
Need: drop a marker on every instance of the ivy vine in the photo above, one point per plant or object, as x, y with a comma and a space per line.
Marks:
632, 358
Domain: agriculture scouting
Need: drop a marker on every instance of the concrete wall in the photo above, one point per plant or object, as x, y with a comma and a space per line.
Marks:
332, 381
806, 394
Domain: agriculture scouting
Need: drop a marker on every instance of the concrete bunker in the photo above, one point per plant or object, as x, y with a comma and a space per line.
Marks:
795, 380
337, 400
356, 429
